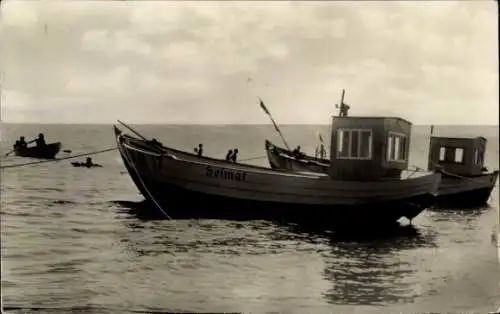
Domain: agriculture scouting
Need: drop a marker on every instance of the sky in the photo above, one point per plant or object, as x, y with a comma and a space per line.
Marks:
209, 62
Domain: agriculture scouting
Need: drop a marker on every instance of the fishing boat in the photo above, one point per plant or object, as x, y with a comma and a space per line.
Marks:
185, 185
465, 182
282, 158
48, 151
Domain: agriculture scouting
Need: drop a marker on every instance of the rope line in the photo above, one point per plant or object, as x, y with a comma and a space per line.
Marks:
252, 158
58, 159
132, 164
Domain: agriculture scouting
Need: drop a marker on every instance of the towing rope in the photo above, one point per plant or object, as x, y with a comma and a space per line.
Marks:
58, 159
129, 160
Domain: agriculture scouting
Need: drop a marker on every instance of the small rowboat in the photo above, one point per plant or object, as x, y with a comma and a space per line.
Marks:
82, 164
185, 185
48, 151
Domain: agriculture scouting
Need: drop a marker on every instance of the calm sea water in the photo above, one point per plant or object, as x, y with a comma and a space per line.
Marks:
70, 241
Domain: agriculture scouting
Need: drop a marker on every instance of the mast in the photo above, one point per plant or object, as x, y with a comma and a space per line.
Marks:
343, 107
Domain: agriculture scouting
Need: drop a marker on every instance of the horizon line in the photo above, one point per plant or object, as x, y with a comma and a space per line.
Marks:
219, 124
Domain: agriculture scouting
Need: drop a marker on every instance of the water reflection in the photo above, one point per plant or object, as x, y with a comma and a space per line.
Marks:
369, 269
152, 235
361, 268
141, 210
460, 221
368, 276
469, 212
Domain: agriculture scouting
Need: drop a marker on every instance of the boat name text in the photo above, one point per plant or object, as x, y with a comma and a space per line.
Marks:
225, 174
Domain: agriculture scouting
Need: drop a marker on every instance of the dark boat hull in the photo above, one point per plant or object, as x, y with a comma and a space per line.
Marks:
49, 151
182, 198
180, 203
465, 192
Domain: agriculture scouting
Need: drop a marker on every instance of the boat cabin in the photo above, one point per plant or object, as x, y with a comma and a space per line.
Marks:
369, 148
461, 156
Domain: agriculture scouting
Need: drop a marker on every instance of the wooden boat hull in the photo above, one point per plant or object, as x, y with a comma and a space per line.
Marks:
188, 186
49, 151
463, 192
280, 158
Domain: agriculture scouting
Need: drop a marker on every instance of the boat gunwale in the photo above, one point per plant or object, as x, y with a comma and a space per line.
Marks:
222, 161
255, 168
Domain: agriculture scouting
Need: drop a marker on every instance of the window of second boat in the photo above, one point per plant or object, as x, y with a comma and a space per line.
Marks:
454, 155
396, 147
478, 157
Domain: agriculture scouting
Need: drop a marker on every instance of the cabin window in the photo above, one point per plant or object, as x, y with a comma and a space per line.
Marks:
396, 147
354, 144
478, 157
454, 155
442, 153
459, 155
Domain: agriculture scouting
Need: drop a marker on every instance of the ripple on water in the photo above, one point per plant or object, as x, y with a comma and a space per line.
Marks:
77, 240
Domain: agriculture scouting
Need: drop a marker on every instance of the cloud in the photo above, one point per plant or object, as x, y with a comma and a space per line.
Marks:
415, 60
116, 81
20, 14
113, 43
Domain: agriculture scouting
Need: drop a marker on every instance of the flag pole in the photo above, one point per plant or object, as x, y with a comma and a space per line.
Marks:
274, 123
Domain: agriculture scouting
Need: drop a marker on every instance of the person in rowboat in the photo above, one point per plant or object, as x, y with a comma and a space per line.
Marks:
21, 143
40, 141
88, 163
